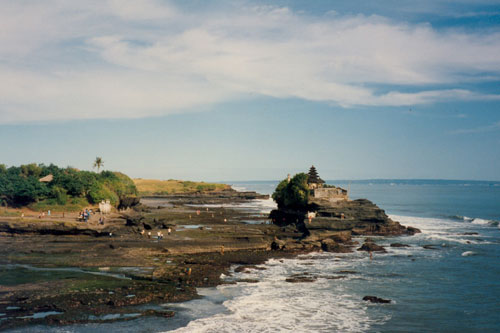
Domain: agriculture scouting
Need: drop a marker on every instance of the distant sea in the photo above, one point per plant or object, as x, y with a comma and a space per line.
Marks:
452, 288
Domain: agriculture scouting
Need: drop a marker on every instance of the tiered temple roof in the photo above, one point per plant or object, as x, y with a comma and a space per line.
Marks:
314, 177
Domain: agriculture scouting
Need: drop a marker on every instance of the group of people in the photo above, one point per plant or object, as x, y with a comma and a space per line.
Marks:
159, 233
42, 214
85, 214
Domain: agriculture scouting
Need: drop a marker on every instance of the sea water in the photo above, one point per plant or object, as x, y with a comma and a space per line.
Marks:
454, 287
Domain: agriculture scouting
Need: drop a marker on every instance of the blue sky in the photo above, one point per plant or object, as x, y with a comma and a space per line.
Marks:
246, 90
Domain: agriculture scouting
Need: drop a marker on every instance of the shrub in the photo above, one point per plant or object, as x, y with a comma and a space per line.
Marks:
60, 195
20, 186
293, 194
99, 192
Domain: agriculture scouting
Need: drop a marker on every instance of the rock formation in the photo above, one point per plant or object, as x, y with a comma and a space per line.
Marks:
331, 218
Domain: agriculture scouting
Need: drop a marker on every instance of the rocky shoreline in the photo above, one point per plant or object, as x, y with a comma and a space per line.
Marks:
64, 272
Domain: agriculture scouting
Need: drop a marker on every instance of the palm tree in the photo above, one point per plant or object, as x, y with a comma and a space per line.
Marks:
98, 163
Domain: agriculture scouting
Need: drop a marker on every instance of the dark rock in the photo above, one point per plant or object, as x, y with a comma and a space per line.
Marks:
348, 272
429, 247
48, 228
329, 245
375, 299
303, 277
357, 217
155, 313
371, 247
470, 233
277, 245
399, 245
244, 268
133, 220
412, 231
248, 280
127, 202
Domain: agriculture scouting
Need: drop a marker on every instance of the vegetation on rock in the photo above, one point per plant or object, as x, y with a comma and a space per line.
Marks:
44, 186
164, 187
293, 194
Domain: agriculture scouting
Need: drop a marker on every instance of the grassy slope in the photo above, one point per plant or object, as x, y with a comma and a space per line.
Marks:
158, 187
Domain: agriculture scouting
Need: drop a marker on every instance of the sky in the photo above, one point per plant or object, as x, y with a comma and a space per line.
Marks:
253, 90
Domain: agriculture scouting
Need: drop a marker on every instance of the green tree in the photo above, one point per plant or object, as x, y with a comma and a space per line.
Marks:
60, 194
99, 192
293, 194
98, 163
279, 193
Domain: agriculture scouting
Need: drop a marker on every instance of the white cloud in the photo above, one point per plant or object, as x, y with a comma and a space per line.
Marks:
129, 59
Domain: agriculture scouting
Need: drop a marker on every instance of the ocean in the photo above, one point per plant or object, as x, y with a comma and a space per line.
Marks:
454, 287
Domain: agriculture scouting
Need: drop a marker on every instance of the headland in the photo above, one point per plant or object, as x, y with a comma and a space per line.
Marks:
162, 246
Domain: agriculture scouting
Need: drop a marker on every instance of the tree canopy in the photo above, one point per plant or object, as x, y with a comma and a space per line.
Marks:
98, 163
21, 185
293, 194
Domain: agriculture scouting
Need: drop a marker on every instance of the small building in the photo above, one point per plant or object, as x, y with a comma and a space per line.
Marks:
314, 180
105, 207
320, 190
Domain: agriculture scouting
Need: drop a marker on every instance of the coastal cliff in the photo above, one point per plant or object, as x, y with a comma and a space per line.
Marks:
325, 213
357, 217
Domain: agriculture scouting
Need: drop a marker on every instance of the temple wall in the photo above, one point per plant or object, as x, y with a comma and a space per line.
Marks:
331, 194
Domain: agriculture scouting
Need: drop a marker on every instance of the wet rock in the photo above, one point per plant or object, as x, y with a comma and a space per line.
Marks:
356, 217
303, 277
470, 233
248, 280
429, 247
412, 231
134, 220
277, 245
375, 299
127, 202
329, 245
155, 313
246, 268
399, 245
348, 272
369, 246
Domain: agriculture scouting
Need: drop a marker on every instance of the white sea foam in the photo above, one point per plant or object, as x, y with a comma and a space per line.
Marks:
325, 305
238, 188
274, 305
438, 229
480, 221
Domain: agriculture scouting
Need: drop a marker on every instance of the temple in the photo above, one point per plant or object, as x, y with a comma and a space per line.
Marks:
320, 190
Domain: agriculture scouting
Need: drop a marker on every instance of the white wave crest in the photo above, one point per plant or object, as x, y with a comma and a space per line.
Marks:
480, 221
468, 253
274, 305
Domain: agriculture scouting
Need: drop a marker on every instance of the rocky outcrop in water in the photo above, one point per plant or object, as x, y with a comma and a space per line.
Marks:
356, 217
375, 299
370, 246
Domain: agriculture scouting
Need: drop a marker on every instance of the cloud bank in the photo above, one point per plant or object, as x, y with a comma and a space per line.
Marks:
124, 59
